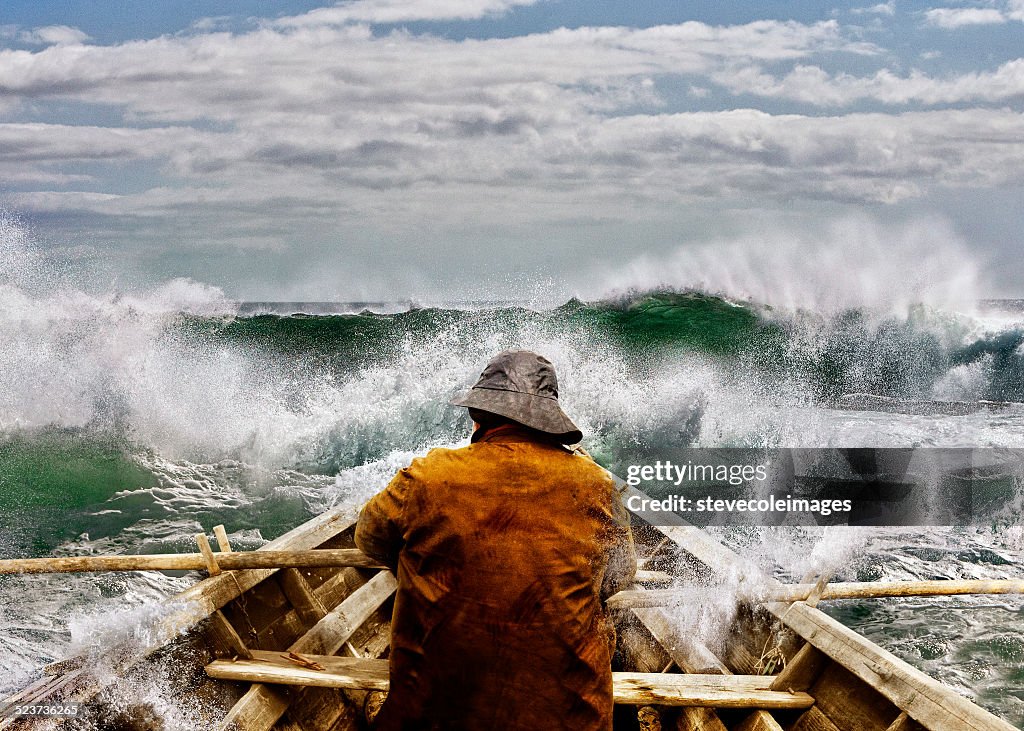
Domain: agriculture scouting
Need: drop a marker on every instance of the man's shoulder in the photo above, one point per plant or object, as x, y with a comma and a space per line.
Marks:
438, 456
445, 458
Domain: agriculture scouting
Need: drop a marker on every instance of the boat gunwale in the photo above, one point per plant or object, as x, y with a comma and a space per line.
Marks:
924, 699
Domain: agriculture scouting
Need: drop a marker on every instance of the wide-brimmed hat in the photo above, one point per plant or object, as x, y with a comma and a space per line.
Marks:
521, 385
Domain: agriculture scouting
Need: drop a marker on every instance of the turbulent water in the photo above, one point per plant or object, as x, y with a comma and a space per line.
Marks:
128, 423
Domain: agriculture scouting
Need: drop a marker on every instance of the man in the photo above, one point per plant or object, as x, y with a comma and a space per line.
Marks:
504, 551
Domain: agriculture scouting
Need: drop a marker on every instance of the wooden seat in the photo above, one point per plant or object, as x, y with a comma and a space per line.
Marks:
666, 689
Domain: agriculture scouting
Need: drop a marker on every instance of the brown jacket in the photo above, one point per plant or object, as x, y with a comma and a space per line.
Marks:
503, 552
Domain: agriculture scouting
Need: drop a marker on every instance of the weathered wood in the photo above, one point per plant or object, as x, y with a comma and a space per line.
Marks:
320, 709
648, 718
902, 723
819, 588
800, 672
689, 653
338, 672
74, 684
759, 721
814, 720
37, 692
211, 565
289, 626
262, 705
663, 689
288, 725
691, 656
739, 657
225, 639
641, 650
635, 599
334, 557
301, 596
699, 719
925, 700
850, 703
222, 538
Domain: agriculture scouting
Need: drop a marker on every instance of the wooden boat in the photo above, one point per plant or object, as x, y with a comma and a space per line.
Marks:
301, 649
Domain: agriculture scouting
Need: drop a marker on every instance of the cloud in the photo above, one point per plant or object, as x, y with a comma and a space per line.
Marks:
813, 85
243, 78
60, 35
46, 143
960, 17
330, 132
400, 11
888, 8
214, 23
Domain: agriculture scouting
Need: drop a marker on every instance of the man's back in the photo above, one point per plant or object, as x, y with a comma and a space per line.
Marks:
501, 550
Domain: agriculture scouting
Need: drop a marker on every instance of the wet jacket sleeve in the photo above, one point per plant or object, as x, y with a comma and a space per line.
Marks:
381, 525
621, 568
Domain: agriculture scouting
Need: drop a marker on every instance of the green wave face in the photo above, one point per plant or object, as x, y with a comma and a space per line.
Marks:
322, 394
49, 478
660, 322
844, 353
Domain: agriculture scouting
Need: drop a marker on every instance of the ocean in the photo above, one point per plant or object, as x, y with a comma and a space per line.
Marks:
130, 422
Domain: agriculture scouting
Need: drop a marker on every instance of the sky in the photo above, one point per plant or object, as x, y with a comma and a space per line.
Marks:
495, 149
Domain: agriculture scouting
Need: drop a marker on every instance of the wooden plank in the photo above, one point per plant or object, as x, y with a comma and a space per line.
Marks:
850, 703
902, 723
288, 627
338, 672
640, 649
663, 689
933, 705
256, 610
691, 656
262, 705
689, 653
287, 724
632, 598
759, 721
224, 638
814, 720
318, 709
800, 672
699, 719
38, 691
301, 596
925, 699
331, 632
206, 559
200, 600
739, 657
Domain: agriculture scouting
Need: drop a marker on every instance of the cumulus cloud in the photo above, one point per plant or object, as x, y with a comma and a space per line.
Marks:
888, 8
61, 35
294, 129
960, 17
401, 11
813, 85
220, 75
